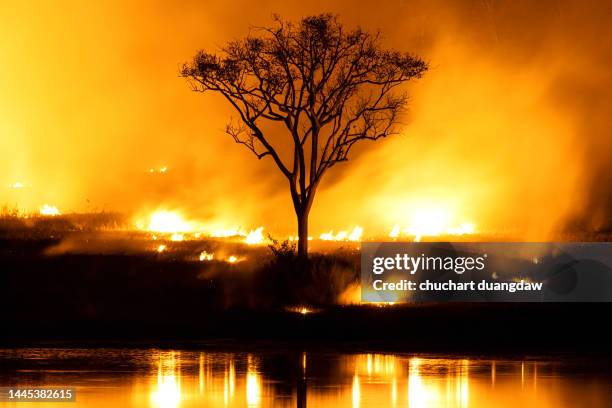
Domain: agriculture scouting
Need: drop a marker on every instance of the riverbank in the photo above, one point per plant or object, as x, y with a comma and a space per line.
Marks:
122, 291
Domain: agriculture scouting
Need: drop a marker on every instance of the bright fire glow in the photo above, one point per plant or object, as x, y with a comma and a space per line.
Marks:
293, 238
425, 221
49, 210
432, 221
330, 236
161, 248
233, 259
463, 391
255, 236
470, 145
354, 235
356, 391
173, 222
206, 256
303, 310
17, 185
161, 170
253, 384
379, 365
227, 233
420, 393
253, 389
169, 222
167, 393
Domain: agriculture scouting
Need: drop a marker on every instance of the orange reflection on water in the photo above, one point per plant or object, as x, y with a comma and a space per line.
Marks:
253, 384
420, 393
186, 379
380, 365
356, 391
228, 380
167, 392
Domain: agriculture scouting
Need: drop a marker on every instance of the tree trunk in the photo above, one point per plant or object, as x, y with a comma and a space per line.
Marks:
302, 219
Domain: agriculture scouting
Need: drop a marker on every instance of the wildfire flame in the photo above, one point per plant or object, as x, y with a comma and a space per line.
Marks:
49, 210
354, 235
169, 222
233, 259
173, 222
17, 185
255, 236
303, 310
177, 237
161, 170
227, 233
474, 149
206, 256
432, 222
293, 238
427, 222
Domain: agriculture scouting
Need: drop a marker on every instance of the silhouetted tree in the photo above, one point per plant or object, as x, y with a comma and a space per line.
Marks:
327, 87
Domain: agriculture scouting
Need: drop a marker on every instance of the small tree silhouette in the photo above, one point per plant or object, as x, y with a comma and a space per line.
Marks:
328, 89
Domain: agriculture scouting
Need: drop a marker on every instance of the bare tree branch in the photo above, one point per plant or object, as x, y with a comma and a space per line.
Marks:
331, 88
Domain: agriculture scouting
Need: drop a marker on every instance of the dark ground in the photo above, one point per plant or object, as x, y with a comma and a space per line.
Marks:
80, 289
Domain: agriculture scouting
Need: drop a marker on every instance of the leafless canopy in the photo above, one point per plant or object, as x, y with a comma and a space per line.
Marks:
328, 87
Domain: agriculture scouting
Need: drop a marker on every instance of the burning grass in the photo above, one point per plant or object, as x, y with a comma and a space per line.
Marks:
174, 225
207, 287
14, 222
216, 273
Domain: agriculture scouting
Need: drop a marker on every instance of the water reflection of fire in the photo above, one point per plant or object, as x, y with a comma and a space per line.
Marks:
227, 379
356, 391
167, 393
220, 379
424, 387
229, 382
420, 393
253, 383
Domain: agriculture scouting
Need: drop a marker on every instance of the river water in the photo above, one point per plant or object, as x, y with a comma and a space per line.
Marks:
113, 378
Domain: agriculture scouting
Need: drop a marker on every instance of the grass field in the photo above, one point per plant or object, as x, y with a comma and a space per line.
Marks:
76, 277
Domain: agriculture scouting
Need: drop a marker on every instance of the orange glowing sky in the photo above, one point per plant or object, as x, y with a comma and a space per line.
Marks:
510, 128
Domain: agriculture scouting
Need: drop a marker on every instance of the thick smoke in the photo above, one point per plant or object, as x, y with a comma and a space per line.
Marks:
508, 130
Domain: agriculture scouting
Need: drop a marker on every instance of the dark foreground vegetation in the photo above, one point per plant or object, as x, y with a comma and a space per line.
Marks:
80, 287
